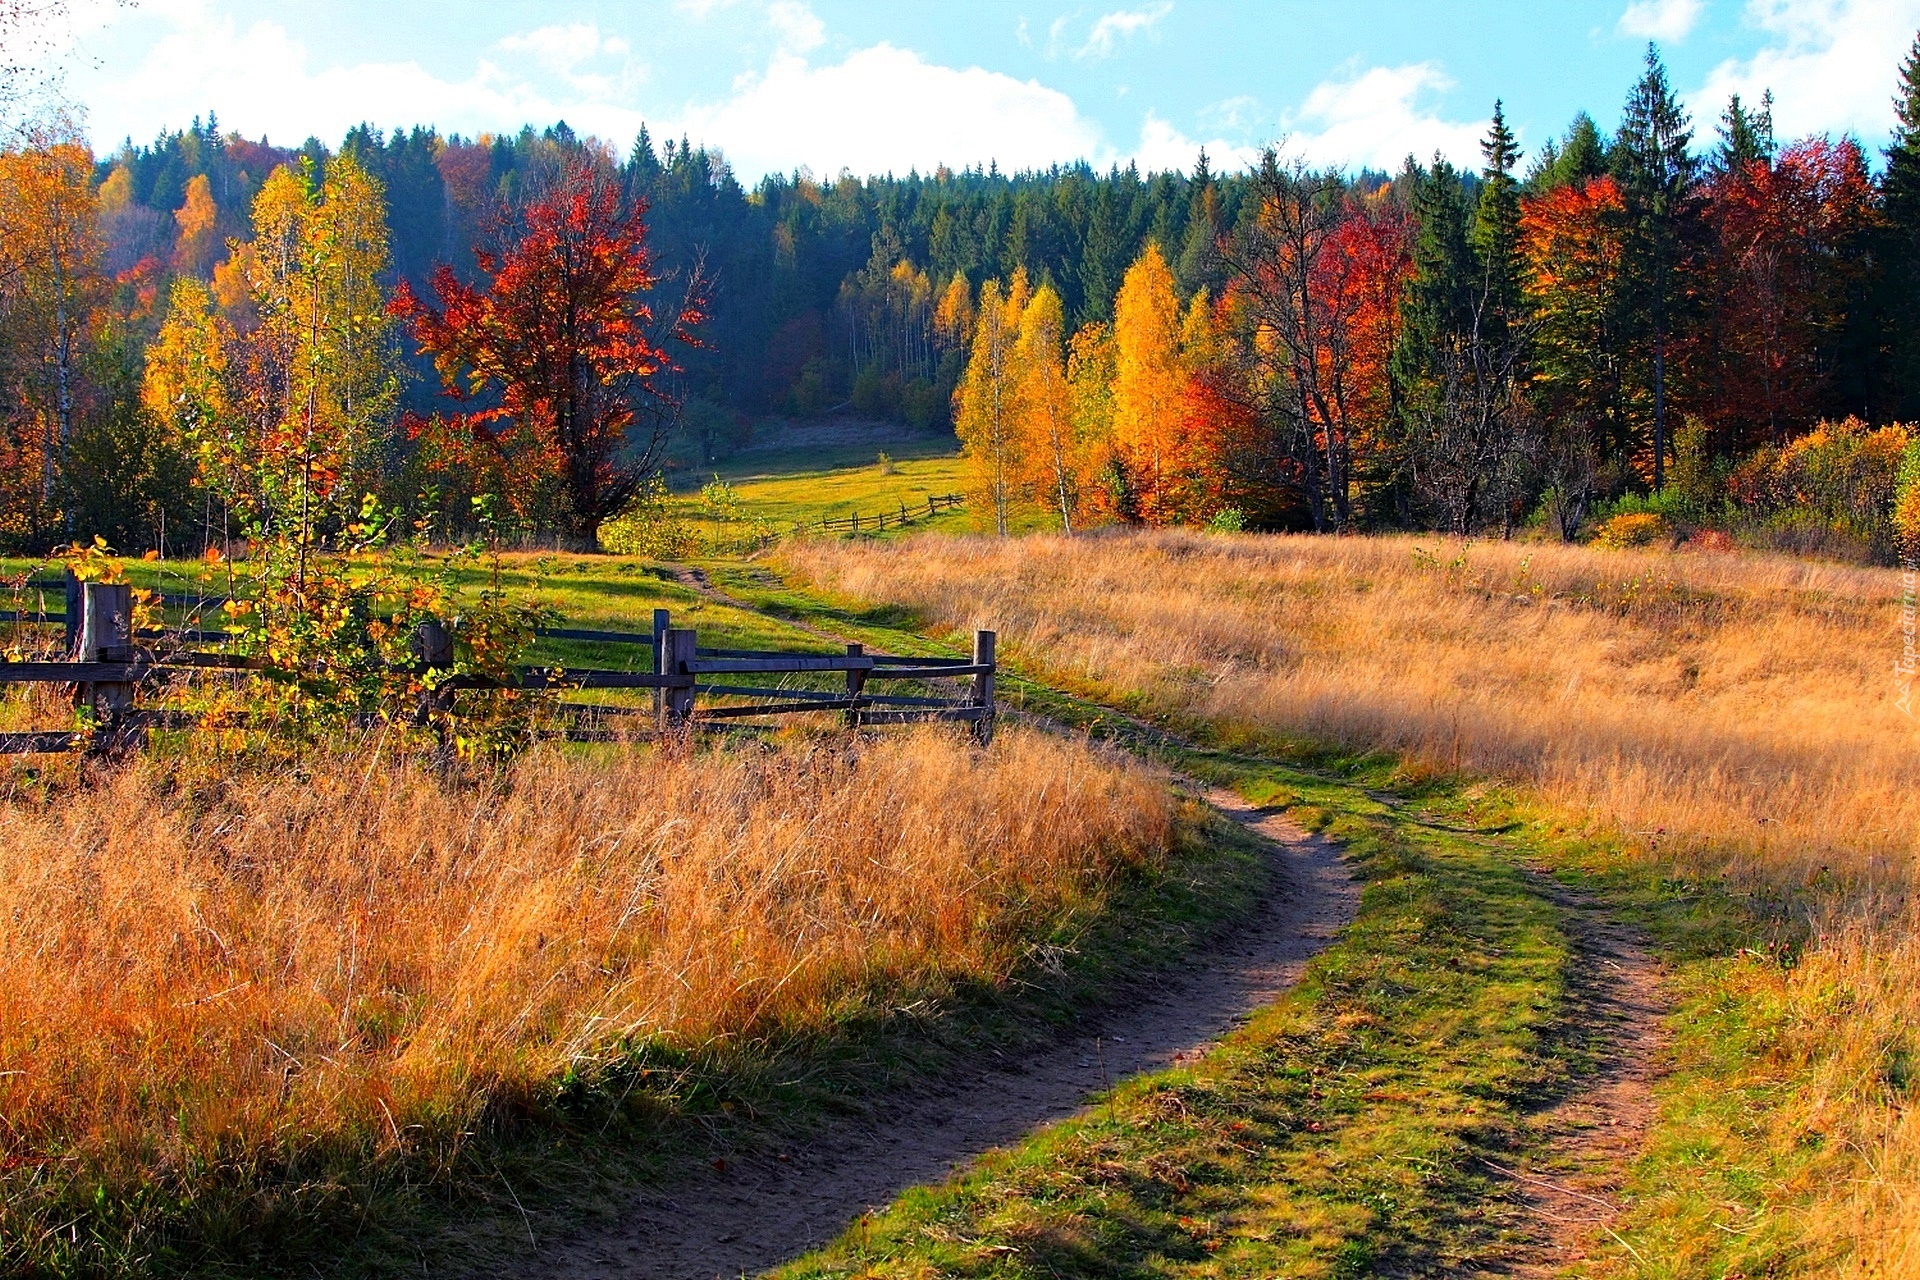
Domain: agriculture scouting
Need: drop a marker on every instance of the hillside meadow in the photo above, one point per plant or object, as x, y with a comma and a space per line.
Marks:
1725, 715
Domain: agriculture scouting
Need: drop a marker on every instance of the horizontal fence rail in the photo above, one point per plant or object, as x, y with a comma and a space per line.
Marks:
900, 518
107, 670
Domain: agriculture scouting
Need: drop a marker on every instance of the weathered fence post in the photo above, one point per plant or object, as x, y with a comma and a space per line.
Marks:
662, 619
856, 681
930, 507
983, 686
106, 635
73, 616
432, 647
679, 650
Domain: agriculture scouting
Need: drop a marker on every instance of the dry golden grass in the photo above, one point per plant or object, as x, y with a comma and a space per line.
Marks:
1736, 712
1740, 705
252, 966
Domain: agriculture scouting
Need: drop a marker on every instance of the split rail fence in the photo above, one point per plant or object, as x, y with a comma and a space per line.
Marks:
881, 522
107, 669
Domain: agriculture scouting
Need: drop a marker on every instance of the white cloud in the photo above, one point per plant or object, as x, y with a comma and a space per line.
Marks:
1164, 147
796, 26
883, 108
262, 83
1233, 114
1832, 66
872, 110
1110, 29
569, 52
1374, 119
1668, 20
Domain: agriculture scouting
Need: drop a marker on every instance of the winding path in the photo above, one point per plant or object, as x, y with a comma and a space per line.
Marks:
759, 1211
746, 1213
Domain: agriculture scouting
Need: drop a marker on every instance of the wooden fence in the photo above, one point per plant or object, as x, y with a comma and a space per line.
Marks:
107, 670
881, 522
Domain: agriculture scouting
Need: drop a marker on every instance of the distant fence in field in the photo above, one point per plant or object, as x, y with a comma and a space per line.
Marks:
884, 520
107, 670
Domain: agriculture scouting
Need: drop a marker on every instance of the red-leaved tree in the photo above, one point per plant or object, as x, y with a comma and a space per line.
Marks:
1789, 256
557, 352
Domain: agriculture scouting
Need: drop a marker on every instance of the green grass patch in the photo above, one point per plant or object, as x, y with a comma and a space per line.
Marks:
1339, 1133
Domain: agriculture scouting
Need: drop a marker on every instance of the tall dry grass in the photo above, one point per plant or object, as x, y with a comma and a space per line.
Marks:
1739, 704
230, 969
1737, 712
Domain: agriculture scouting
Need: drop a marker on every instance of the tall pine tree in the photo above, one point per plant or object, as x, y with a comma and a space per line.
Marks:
1655, 168
1496, 224
1901, 246
1746, 137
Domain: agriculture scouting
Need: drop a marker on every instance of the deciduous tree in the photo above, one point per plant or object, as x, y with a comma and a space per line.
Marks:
986, 403
1149, 384
558, 353
1054, 455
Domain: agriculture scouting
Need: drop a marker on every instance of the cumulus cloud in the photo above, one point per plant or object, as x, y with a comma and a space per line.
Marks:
870, 110
1832, 66
263, 83
1669, 20
1164, 147
1110, 30
580, 54
796, 26
884, 108
1374, 118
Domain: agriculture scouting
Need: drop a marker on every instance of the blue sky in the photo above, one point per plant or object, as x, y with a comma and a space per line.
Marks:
778, 84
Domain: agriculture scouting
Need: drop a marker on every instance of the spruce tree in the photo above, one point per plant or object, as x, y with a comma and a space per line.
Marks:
1901, 252
643, 166
1746, 137
1656, 170
1581, 154
1440, 296
1496, 221
1197, 266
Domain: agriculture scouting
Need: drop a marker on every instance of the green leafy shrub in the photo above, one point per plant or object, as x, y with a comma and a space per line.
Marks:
1228, 520
650, 527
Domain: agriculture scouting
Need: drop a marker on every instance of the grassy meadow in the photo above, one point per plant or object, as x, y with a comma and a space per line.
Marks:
1729, 719
242, 1007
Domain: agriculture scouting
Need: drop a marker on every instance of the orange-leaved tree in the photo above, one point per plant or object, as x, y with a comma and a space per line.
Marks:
560, 358
1053, 456
50, 282
1571, 238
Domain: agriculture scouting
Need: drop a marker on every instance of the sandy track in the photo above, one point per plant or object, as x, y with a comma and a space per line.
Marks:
761, 1210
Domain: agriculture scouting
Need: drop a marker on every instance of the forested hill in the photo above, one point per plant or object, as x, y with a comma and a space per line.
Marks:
790, 259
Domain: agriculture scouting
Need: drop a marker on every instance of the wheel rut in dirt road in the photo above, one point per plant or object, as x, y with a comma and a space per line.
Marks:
1568, 1189
761, 1210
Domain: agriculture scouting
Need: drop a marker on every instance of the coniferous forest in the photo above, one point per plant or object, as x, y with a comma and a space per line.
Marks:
1685, 320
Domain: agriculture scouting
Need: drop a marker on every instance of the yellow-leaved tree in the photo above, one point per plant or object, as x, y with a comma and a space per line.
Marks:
285, 399
200, 244
50, 281
1149, 384
1052, 459
985, 401
1090, 401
